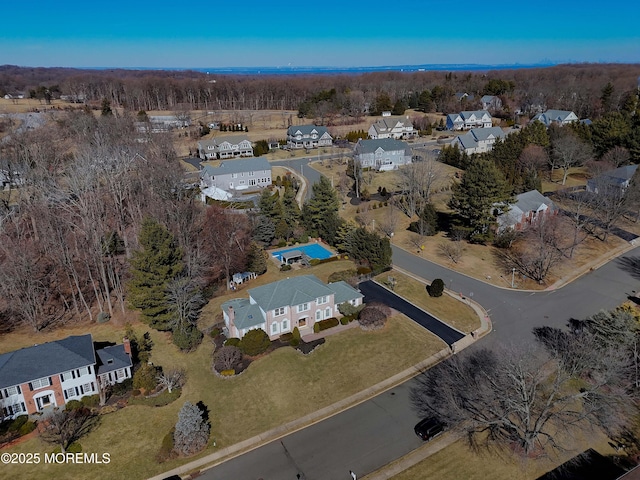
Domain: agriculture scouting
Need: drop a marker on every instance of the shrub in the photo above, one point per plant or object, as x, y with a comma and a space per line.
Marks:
135, 392
325, 324
296, 337
226, 358
363, 270
122, 388
286, 337
91, 401
160, 400
232, 342
314, 261
73, 405
344, 321
187, 339
254, 342
436, 288
215, 331
27, 428
16, 424
145, 378
347, 309
285, 268
372, 318
166, 448
342, 275
228, 373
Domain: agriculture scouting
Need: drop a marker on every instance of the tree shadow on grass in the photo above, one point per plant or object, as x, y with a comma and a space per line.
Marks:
630, 265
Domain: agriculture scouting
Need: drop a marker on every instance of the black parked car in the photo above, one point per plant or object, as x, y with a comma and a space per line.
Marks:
429, 428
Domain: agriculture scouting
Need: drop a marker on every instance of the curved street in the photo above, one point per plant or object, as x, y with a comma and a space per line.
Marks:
380, 430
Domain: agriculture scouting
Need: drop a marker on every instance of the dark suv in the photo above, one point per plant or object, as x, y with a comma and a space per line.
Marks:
429, 428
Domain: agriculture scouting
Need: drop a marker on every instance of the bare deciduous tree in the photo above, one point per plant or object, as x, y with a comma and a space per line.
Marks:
171, 378
569, 151
389, 222
227, 358
63, 427
451, 250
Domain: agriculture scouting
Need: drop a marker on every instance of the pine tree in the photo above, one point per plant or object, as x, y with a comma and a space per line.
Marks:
482, 190
192, 430
320, 213
371, 249
257, 259
152, 268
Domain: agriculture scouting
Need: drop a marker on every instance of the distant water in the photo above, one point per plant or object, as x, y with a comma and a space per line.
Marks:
290, 70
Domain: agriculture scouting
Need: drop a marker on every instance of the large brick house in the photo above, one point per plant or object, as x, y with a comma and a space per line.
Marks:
51, 374
281, 306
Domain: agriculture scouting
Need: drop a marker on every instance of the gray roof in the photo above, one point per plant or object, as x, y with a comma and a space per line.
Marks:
388, 123
247, 314
386, 144
306, 129
478, 113
291, 291
471, 139
237, 166
552, 116
112, 358
292, 254
31, 363
344, 292
487, 98
531, 201
617, 177
233, 139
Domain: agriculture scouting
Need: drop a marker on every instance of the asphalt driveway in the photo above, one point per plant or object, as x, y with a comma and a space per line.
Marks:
375, 293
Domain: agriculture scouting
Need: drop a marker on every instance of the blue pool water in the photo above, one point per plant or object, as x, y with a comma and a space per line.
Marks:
313, 250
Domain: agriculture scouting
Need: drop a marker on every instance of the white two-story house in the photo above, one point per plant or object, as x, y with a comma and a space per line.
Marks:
51, 374
234, 176
469, 119
229, 146
392, 127
281, 306
383, 154
308, 136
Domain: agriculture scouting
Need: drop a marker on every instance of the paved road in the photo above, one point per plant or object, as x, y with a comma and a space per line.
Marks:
379, 430
375, 293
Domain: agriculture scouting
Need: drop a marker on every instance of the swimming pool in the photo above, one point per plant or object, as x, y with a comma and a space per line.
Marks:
313, 250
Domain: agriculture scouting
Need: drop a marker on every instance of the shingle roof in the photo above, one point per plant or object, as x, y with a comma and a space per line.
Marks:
532, 200
112, 358
47, 359
343, 292
387, 144
246, 314
238, 166
232, 139
306, 129
291, 291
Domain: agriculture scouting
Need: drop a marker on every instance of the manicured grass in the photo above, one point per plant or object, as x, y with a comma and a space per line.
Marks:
448, 309
265, 396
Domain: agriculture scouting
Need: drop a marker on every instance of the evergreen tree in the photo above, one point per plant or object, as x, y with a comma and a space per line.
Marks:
320, 213
264, 230
192, 430
370, 249
152, 268
482, 190
268, 203
257, 259
343, 236
290, 208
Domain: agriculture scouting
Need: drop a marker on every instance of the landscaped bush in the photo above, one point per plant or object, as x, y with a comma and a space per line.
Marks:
91, 401
254, 342
232, 342
122, 388
295, 341
73, 405
227, 358
16, 424
286, 337
372, 317
285, 268
145, 377
314, 261
436, 288
347, 309
325, 324
344, 321
215, 331
342, 275
27, 428
166, 448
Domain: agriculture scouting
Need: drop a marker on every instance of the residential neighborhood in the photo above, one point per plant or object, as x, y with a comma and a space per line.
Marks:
284, 264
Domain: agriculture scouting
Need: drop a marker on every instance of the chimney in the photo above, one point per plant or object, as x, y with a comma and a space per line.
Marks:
127, 345
232, 315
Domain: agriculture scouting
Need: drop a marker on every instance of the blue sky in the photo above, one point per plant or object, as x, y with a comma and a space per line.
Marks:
272, 33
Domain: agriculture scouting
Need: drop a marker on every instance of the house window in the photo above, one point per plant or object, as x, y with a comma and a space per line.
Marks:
11, 391
274, 328
278, 311
318, 315
82, 371
87, 387
234, 175
327, 312
120, 374
285, 325
251, 174
303, 307
14, 409
41, 382
322, 300
69, 392
66, 376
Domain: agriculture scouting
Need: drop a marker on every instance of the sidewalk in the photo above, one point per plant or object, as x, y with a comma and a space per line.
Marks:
232, 451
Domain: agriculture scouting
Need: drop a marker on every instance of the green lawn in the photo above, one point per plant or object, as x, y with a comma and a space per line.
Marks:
446, 308
284, 384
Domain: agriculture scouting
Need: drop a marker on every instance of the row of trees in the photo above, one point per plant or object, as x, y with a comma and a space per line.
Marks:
588, 90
